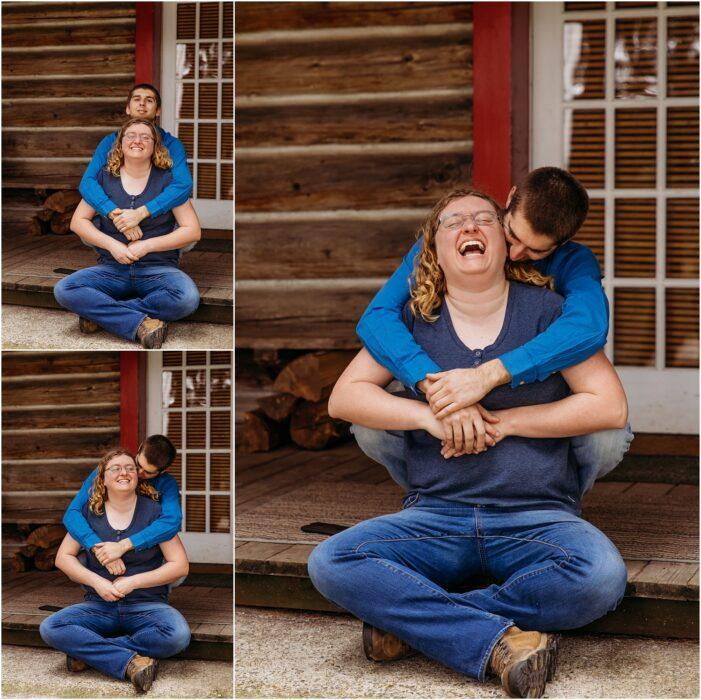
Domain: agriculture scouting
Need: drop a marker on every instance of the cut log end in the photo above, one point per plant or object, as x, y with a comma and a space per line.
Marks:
312, 428
260, 433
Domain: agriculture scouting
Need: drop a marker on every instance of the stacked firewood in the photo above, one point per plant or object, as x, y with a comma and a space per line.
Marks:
56, 215
39, 549
297, 411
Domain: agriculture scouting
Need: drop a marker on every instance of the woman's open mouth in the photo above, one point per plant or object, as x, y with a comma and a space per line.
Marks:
471, 247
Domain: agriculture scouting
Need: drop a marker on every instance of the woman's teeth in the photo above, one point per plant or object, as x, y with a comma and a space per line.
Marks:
471, 247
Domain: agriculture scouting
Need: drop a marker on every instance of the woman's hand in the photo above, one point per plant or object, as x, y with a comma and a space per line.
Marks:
139, 248
133, 234
122, 254
107, 590
125, 584
470, 430
116, 567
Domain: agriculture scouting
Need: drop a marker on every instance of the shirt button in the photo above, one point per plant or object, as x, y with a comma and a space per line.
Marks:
478, 353
476, 363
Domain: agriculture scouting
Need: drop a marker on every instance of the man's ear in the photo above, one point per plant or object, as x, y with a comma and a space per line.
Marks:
128, 111
158, 112
510, 197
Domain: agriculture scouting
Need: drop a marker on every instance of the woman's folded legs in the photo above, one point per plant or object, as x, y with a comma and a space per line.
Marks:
163, 292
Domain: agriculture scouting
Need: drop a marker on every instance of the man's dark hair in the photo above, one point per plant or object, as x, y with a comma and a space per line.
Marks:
158, 450
553, 202
145, 86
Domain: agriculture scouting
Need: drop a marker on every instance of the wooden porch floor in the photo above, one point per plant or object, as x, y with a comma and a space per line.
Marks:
31, 266
207, 607
654, 525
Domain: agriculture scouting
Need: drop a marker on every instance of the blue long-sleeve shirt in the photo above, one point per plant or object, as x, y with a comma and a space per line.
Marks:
178, 192
576, 335
164, 528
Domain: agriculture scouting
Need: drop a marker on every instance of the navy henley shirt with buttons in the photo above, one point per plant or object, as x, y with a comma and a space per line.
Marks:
517, 473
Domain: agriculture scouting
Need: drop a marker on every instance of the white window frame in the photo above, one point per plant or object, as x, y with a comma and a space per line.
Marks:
201, 547
213, 213
661, 400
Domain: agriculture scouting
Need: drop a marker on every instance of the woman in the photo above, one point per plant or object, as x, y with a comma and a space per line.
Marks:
136, 285
510, 511
125, 624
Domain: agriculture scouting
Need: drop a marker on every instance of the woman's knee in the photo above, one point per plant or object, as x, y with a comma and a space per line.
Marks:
174, 637
62, 292
184, 300
48, 630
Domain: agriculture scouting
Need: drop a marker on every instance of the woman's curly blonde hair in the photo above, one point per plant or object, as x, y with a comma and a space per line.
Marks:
429, 281
98, 492
160, 156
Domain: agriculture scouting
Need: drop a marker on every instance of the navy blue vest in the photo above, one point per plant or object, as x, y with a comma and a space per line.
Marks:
521, 473
151, 226
145, 513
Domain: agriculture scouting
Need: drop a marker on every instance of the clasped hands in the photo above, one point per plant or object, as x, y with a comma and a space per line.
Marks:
456, 418
127, 222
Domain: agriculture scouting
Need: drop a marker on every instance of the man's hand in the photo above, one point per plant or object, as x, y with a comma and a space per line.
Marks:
139, 248
116, 568
128, 218
107, 552
122, 254
470, 430
133, 234
450, 391
124, 584
107, 590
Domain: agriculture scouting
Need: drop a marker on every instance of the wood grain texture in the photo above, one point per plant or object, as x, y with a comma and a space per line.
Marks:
50, 477
257, 17
61, 416
100, 34
48, 144
19, 13
423, 119
356, 181
322, 249
81, 86
53, 390
51, 445
96, 60
23, 363
108, 114
399, 63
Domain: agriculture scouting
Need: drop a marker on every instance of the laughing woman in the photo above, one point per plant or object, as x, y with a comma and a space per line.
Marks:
125, 624
136, 285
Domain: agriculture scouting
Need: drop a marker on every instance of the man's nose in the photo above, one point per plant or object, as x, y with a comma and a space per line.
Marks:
517, 252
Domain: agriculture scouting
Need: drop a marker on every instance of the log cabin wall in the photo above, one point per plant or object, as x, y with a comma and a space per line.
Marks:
60, 414
352, 119
66, 71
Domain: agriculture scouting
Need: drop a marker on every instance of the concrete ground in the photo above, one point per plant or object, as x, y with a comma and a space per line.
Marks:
33, 328
29, 672
285, 654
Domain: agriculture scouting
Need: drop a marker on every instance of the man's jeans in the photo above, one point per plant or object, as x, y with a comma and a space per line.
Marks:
400, 572
107, 635
119, 297
596, 454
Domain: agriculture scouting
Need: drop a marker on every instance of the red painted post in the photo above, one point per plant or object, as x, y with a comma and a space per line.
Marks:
144, 52
131, 410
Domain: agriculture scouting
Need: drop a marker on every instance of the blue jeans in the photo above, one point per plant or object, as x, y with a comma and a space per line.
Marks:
400, 573
106, 636
596, 454
119, 297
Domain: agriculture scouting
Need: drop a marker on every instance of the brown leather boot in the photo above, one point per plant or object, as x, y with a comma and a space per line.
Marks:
141, 671
383, 646
87, 326
522, 660
151, 333
75, 665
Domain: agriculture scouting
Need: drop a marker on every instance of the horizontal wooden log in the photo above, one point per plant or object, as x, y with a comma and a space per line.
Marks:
54, 475
260, 433
52, 390
47, 536
361, 65
312, 376
23, 560
61, 416
278, 407
107, 114
45, 559
257, 17
96, 60
37, 509
30, 363
347, 181
81, 86
36, 227
63, 201
48, 445
422, 119
61, 223
323, 335
323, 249
312, 428
20, 12
40, 171
53, 143
81, 34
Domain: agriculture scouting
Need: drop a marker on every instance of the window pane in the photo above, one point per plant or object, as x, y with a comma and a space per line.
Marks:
578, 6
196, 473
195, 514
196, 357
636, 147
634, 327
186, 20
207, 107
221, 429
173, 428
197, 431
683, 238
185, 134
186, 102
682, 56
172, 389
175, 470
207, 180
220, 514
184, 61
227, 181
172, 359
682, 333
636, 57
586, 146
584, 59
207, 141
209, 20
220, 472
683, 147
196, 387
209, 60
220, 389
635, 237
592, 232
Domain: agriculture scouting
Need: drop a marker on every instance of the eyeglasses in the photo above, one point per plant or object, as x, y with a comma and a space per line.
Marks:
455, 222
130, 136
116, 470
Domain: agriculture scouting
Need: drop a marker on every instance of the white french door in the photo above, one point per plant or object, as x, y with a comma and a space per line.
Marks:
615, 101
189, 399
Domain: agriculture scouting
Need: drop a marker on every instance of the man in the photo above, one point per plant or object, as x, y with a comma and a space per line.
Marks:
144, 102
155, 454
543, 213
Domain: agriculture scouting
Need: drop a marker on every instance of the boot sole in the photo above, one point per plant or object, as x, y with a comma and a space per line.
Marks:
87, 327
527, 678
553, 651
143, 680
155, 339
368, 647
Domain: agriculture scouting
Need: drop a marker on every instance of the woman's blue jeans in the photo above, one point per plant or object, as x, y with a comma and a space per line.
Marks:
402, 573
107, 635
119, 297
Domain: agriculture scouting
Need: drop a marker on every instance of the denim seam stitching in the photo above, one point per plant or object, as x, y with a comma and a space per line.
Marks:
480, 544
